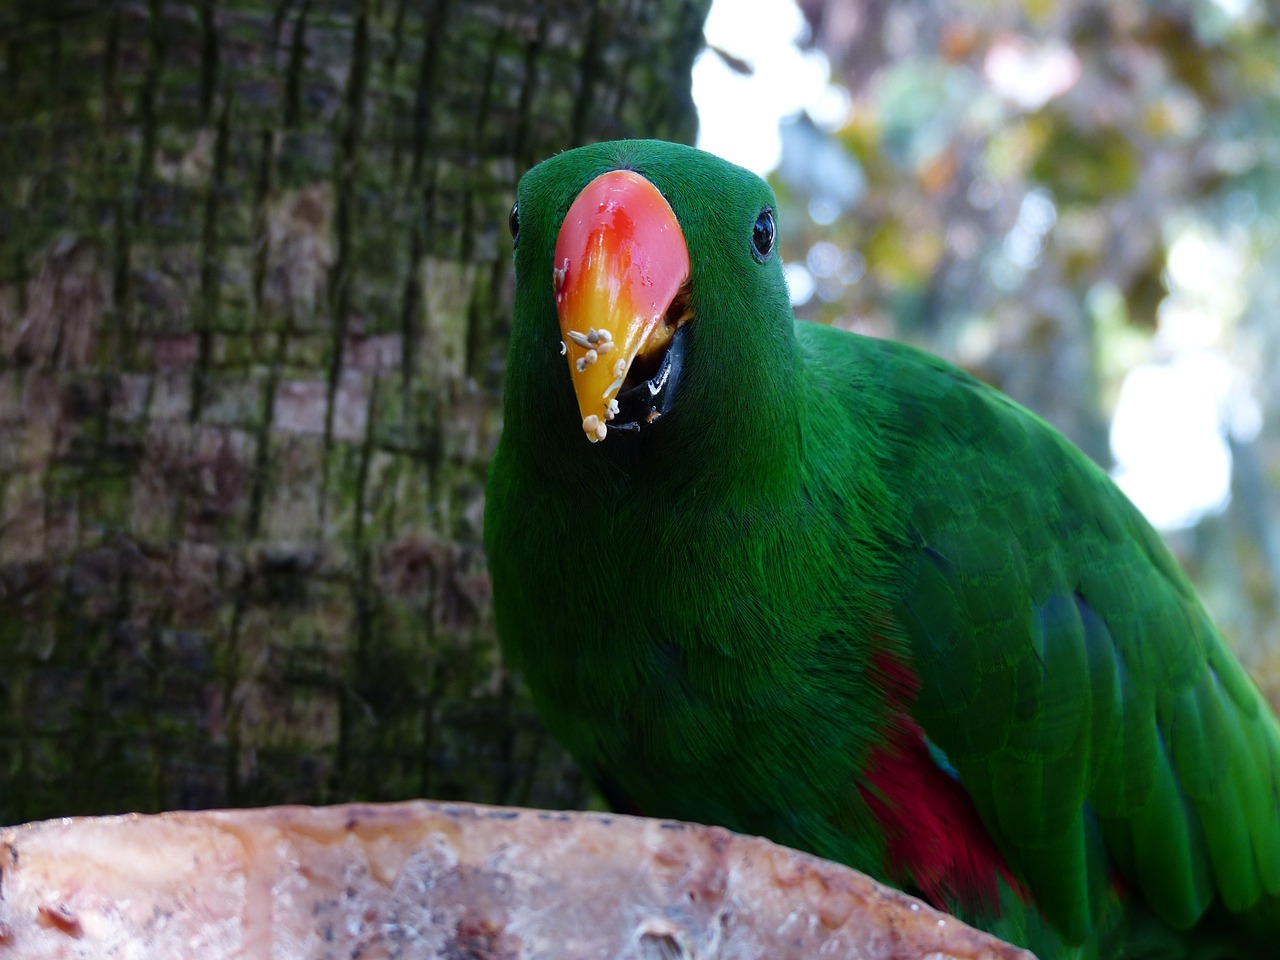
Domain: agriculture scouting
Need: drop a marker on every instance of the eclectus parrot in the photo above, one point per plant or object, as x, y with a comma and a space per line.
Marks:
771, 575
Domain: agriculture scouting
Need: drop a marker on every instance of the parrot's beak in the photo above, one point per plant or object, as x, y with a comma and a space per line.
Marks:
620, 272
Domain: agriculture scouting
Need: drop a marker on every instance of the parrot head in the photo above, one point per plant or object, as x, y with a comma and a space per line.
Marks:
637, 262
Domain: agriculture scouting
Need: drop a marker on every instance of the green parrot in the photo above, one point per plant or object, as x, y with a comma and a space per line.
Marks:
767, 574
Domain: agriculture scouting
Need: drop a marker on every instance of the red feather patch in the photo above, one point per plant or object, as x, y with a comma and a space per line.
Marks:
936, 840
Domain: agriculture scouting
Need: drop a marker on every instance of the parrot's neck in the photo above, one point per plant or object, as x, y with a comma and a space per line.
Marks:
719, 417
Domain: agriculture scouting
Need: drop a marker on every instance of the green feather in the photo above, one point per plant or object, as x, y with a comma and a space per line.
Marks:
708, 613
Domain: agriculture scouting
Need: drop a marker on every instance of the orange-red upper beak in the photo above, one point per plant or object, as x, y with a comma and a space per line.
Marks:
620, 260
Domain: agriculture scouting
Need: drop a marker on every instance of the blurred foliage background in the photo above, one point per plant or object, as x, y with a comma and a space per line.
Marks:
1078, 202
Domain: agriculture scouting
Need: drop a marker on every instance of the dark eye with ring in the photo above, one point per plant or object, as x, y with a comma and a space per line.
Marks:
763, 234
513, 221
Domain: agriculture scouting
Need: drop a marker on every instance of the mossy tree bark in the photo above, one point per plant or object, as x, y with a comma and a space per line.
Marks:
253, 297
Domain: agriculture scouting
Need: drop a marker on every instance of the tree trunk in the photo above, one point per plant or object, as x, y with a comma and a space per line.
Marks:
253, 305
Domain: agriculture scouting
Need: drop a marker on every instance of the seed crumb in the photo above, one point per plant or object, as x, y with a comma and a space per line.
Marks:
594, 428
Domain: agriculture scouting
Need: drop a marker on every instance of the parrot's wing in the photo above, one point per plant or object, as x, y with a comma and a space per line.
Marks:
1069, 672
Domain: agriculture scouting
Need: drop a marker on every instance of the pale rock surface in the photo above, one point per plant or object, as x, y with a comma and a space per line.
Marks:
455, 881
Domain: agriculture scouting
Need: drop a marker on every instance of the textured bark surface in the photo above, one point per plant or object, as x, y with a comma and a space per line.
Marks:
253, 268
447, 881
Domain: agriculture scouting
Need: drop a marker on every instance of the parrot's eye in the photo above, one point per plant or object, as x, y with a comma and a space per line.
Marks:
763, 234
513, 221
